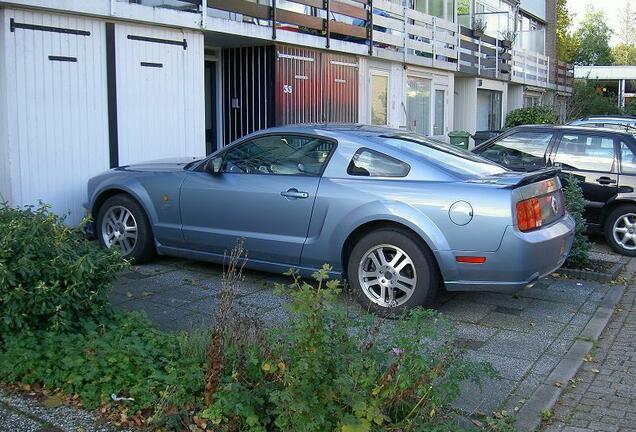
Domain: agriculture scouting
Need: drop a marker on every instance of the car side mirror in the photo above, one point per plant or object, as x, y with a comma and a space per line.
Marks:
214, 165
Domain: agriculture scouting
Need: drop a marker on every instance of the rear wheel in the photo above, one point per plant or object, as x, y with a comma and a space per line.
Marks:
620, 229
122, 223
389, 272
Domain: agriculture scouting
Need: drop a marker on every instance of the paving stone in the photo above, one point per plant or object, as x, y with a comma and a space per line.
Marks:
509, 343
507, 367
512, 301
538, 310
463, 310
474, 331
484, 398
523, 324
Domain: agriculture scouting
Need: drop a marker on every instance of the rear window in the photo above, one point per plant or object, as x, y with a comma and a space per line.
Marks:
452, 159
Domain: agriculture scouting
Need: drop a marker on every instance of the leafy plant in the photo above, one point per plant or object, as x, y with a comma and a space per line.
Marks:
329, 369
479, 26
531, 115
509, 36
589, 98
50, 276
575, 204
125, 356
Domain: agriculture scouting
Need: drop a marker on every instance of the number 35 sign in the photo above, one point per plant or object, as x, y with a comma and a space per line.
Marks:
287, 88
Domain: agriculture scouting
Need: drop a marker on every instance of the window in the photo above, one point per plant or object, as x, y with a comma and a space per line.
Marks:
456, 161
440, 8
628, 159
379, 99
438, 125
418, 104
521, 151
277, 154
371, 163
586, 152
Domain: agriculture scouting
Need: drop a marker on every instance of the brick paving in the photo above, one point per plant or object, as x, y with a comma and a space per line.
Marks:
604, 396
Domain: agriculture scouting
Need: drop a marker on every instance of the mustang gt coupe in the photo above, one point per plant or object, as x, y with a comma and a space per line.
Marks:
397, 214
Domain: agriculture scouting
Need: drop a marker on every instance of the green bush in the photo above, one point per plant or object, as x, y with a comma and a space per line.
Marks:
125, 356
531, 115
575, 204
50, 277
329, 370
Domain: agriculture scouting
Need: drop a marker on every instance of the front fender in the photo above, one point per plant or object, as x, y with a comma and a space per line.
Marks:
107, 184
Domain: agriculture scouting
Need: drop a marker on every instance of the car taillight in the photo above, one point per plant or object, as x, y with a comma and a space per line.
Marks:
529, 214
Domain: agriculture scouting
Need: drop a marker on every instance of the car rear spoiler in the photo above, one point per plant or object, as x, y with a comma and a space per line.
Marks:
513, 180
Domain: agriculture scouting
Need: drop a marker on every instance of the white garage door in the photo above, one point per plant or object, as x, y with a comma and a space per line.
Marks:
57, 120
160, 93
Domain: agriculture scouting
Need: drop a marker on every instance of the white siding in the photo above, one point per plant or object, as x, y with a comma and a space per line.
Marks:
57, 121
160, 111
5, 179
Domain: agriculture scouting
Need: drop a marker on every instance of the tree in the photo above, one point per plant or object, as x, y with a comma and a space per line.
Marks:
566, 43
588, 99
627, 25
624, 54
593, 40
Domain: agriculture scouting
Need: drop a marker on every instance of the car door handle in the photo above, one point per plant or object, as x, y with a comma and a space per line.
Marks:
294, 193
605, 180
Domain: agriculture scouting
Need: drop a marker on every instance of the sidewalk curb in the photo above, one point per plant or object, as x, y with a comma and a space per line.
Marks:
547, 394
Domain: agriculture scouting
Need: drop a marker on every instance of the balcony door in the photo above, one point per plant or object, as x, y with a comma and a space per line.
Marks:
379, 97
418, 104
488, 110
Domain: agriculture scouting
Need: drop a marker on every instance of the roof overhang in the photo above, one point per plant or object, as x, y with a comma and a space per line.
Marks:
605, 72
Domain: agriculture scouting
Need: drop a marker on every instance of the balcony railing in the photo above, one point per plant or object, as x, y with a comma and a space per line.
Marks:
389, 30
563, 74
530, 68
484, 56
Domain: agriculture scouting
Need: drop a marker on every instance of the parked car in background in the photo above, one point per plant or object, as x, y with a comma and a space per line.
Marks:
622, 123
396, 213
604, 160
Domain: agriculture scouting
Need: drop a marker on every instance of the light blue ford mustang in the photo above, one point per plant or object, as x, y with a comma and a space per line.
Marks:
397, 214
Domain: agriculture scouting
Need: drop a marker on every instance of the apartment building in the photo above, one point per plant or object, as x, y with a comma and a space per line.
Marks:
90, 85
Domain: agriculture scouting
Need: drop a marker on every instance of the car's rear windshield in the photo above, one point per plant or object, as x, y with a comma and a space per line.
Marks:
455, 160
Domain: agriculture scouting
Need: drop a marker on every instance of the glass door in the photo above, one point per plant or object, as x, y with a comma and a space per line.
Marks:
418, 104
379, 97
439, 120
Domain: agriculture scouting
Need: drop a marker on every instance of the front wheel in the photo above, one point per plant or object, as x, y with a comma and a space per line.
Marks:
389, 272
122, 223
620, 229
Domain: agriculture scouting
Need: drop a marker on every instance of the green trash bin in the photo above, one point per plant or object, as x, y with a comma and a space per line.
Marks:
460, 139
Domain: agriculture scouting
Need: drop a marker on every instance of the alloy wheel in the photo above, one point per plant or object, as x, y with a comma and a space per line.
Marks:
119, 228
624, 231
387, 275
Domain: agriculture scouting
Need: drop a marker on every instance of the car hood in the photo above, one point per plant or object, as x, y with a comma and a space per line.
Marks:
160, 165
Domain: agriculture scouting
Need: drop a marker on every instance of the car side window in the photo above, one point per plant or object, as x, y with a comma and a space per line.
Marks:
370, 163
279, 155
580, 151
523, 151
628, 159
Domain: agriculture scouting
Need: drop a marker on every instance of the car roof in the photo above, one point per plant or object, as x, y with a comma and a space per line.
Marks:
577, 128
608, 117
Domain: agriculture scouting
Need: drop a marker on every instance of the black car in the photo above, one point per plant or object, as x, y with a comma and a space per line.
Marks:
604, 160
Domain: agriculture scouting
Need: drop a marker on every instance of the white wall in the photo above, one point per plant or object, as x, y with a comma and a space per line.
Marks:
465, 103
5, 185
160, 111
397, 117
57, 123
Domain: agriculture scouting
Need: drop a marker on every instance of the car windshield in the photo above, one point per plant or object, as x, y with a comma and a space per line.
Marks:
455, 160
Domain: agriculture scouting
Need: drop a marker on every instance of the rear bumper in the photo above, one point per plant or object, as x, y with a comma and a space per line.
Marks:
521, 260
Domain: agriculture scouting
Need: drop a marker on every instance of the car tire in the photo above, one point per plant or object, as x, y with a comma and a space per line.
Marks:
616, 221
122, 222
372, 286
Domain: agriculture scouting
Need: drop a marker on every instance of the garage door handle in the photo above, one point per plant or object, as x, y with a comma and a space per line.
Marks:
294, 193
605, 180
